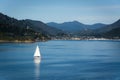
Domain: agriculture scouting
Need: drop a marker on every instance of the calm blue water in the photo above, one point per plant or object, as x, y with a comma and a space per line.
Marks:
61, 60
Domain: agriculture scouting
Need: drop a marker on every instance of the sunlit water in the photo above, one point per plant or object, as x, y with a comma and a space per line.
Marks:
61, 60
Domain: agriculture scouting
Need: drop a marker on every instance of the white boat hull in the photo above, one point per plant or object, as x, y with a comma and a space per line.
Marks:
37, 59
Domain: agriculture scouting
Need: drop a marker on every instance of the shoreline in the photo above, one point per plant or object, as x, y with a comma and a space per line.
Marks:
21, 41
16, 41
30, 41
88, 39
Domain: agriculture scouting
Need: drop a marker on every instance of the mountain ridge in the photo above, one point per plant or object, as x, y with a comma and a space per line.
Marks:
13, 29
75, 26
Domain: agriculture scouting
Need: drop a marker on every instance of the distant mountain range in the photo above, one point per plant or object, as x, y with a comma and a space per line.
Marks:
75, 26
96, 30
13, 29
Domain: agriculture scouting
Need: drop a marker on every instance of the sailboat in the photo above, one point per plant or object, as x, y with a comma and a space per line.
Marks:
37, 54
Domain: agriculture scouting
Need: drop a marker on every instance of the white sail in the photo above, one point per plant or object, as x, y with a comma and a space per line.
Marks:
37, 52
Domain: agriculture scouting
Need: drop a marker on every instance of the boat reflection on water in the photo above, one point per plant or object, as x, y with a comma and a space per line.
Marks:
37, 60
37, 68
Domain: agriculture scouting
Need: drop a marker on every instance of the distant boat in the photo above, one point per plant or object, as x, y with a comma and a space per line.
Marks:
37, 54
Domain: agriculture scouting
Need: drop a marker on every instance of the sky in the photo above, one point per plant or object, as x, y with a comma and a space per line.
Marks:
84, 11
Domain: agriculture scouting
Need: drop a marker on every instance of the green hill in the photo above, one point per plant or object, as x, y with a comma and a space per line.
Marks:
12, 29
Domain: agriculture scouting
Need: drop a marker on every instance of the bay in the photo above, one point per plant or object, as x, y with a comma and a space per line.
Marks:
61, 60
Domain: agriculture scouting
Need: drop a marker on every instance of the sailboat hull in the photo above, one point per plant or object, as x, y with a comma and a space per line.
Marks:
37, 59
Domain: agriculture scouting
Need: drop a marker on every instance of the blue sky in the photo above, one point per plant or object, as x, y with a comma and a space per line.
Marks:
85, 11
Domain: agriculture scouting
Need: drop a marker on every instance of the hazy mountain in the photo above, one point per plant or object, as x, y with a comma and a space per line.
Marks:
43, 28
112, 30
108, 31
96, 26
68, 26
75, 26
109, 27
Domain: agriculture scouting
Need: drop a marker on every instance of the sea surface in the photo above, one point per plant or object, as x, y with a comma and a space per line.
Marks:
61, 60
